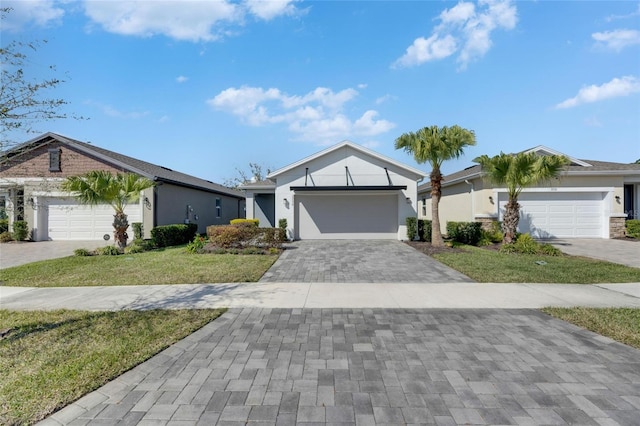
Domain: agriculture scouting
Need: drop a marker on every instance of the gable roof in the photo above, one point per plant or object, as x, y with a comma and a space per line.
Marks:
577, 167
142, 168
350, 145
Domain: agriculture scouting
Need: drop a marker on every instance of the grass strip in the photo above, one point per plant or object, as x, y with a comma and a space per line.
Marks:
484, 265
169, 266
50, 359
620, 324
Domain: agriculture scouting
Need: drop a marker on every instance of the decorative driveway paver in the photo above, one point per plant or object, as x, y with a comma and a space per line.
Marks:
375, 366
358, 261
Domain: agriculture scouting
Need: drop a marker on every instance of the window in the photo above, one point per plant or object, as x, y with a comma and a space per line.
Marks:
218, 207
424, 207
54, 160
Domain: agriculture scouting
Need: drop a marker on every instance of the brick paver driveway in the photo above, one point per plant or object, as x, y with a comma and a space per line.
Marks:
358, 261
373, 366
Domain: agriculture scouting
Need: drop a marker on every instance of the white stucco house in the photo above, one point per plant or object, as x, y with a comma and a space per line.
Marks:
591, 199
344, 192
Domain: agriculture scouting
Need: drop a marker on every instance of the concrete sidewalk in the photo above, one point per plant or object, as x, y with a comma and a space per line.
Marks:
322, 295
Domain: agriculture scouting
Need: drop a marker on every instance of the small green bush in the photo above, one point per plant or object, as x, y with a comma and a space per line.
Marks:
468, 233
424, 230
252, 250
633, 228
525, 244
138, 230
255, 222
4, 225
20, 230
494, 234
108, 251
549, 250
82, 252
5, 237
282, 226
412, 228
173, 235
197, 245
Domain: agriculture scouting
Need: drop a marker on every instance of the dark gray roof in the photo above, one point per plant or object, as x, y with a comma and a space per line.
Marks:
601, 167
148, 170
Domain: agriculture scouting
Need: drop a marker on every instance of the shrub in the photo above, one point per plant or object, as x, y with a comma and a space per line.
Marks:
255, 222
108, 251
4, 225
197, 245
225, 236
424, 230
20, 230
252, 250
525, 244
5, 237
465, 232
412, 228
633, 228
549, 250
138, 230
82, 252
282, 226
173, 235
243, 235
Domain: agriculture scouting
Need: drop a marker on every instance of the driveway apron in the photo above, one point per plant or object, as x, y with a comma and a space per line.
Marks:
358, 261
624, 252
373, 366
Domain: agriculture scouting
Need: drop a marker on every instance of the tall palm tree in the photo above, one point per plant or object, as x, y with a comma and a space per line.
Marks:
517, 172
436, 145
102, 187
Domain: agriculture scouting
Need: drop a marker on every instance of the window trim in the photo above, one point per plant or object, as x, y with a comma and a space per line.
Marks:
55, 155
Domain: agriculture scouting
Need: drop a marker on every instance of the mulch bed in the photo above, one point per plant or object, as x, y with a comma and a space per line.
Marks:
430, 250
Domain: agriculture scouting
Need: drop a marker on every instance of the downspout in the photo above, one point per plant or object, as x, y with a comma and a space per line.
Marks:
473, 204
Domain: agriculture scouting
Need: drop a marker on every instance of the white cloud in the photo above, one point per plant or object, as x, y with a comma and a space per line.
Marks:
628, 15
181, 79
269, 9
615, 88
617, 39
464, 29
36, 12
317, 116
189, 20
385, 98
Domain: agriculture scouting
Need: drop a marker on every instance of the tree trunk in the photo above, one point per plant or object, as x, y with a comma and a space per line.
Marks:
120, 225
510, 221
436, 193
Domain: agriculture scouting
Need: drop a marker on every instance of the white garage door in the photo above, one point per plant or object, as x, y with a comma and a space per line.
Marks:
64, 219
560, 214
347, 216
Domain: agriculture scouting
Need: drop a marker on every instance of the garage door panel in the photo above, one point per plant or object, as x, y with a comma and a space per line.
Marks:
347, 216
67, 220
560, 214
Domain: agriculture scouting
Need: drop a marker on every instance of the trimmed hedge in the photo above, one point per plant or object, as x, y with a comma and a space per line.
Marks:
255, 222
424, 230
633, 228
412, 228
173, 235
243, 235
465, 232
20, 230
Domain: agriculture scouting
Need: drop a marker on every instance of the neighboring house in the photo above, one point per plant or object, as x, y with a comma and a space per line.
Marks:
591, 199
344, 192
30, 175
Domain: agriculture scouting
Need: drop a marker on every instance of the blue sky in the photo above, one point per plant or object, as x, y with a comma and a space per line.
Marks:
205, 87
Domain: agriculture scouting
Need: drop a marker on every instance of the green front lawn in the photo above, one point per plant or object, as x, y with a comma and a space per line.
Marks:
483, 265
169, 266
50, 359
621, 324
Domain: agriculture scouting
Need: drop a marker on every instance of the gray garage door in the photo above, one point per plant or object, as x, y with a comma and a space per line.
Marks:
347, 216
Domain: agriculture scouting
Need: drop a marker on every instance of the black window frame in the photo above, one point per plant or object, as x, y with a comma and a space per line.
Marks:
218, 208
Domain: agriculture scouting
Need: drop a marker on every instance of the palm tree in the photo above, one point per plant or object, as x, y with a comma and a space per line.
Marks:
435, 145
102, 187
517, 172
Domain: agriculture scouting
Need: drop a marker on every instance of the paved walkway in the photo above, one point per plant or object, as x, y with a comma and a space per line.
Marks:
322, 295
625, 252
358, 261
20, 253
384, 367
